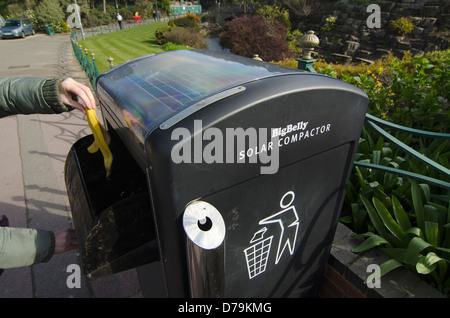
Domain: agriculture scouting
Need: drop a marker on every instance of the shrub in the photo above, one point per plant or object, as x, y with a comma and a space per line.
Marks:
64, 26
288, 62
420, 95
111, 11
61, 27
412, 92
14, 10
169, 46
171, 23
247, 36
188, 37
330, 24
126, 13
274, 13
195, 18
48, 12
353, 69
438, 58
293, 39
160, 34
380, 66
402, 26
185, 22
95, 18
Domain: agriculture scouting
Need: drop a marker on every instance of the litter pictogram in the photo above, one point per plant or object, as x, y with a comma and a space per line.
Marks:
257, 255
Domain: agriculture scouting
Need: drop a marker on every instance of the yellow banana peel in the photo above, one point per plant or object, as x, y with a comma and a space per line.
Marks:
101, 139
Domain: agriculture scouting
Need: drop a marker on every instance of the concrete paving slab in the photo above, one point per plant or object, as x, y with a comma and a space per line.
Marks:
15, 282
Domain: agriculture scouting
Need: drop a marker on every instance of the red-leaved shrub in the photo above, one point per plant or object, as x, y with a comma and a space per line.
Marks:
247, 36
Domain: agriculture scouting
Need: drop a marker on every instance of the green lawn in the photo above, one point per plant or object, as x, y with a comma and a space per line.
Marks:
123, 45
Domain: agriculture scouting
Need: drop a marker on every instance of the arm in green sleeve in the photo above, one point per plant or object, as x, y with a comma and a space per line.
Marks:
23, 246
30, 95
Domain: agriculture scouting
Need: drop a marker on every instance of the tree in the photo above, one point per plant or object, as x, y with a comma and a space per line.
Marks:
299, 7
49, 12
163, 5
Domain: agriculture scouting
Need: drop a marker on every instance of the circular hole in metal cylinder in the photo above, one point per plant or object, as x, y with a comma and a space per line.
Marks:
205, 224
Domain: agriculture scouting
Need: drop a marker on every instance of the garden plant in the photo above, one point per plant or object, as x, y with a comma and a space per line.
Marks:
409, 220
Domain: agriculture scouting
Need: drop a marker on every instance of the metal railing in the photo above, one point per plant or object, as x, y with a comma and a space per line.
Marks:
88, 65
374, 123
104, 29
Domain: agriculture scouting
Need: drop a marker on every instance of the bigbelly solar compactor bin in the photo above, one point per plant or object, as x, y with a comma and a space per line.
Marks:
228, 175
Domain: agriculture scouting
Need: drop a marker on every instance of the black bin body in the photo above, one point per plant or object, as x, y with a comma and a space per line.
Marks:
228, 175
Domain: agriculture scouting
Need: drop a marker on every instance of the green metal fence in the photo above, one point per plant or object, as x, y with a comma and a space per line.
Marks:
177, 10
88, 65
375, 123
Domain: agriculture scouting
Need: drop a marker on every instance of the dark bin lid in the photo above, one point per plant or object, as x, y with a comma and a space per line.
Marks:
154, 88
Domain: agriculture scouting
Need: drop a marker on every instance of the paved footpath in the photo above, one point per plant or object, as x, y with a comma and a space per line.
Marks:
33, 149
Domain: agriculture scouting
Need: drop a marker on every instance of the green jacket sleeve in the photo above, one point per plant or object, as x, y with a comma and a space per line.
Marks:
23, 247
30, 95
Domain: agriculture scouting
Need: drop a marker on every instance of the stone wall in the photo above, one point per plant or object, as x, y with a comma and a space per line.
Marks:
221, 13
351, 40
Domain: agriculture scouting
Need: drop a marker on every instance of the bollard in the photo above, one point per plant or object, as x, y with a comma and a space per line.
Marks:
110, 60
95, 71
256, 57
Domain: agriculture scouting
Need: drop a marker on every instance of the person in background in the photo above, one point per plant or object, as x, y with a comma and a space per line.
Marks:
119, 19
32, 95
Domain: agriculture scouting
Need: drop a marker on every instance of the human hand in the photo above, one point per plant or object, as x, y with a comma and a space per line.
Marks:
69, 87
65, 240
